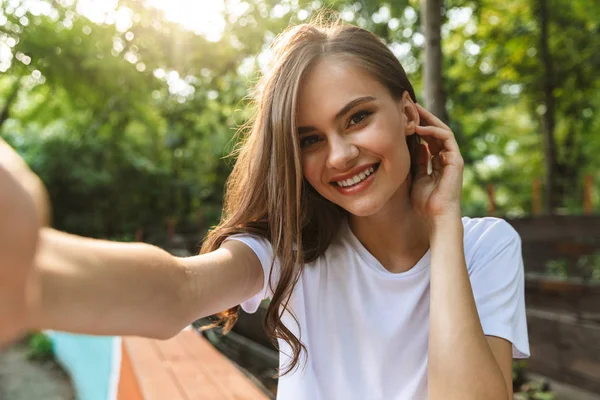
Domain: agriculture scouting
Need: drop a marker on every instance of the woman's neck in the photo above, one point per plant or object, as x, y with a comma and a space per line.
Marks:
395, 235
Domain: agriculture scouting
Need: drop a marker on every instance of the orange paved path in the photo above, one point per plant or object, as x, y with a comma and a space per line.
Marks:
186, 367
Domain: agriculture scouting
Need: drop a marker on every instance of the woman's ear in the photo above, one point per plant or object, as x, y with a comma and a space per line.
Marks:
410, 111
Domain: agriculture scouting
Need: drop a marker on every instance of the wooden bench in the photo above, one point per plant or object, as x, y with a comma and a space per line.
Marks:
186, 367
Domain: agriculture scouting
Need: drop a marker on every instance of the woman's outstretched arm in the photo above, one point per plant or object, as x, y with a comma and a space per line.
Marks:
94, 286
100, 287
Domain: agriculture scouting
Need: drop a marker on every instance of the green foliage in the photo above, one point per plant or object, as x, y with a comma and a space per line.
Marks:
534, 391
129, 126
586, 267
525, 389
558, 268
590, 266
518, 372
40, 347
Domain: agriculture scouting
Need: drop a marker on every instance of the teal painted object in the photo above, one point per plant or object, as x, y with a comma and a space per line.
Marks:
93, 362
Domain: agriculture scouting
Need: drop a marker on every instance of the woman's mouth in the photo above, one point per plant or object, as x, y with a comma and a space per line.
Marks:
358, 182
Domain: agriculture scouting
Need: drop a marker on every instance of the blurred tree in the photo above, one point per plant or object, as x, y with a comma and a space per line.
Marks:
499, 89
433, 83
128, 123
549, 116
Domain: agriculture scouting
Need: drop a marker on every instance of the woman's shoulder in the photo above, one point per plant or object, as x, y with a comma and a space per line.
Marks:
489, 228
488, 235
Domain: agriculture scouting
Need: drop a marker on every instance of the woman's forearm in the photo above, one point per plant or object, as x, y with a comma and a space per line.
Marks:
461, 363
101, 287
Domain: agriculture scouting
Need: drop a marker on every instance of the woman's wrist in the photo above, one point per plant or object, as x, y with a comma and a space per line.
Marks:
449, 220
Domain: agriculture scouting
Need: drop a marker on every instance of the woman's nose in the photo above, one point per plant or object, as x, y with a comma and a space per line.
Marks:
341, 153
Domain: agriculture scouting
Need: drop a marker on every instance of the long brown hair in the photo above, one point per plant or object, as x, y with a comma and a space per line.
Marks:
266, 193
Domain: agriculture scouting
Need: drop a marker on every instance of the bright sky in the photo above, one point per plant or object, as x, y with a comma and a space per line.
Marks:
201, 16
204, 17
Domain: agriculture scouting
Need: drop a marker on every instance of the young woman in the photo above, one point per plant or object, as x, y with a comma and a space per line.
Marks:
379, 288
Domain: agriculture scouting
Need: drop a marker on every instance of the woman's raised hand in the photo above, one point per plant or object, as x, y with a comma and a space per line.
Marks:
23, 209
438, 195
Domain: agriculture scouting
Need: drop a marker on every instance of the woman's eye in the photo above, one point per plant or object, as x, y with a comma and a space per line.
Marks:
308, 141
358, 117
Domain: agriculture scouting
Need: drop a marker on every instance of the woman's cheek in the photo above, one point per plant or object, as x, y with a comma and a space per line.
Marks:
311, 170
376, 139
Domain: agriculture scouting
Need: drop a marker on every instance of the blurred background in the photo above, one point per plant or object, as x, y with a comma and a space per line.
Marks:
127, 110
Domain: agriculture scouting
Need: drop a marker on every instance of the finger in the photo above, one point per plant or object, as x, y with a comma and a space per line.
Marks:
423, 161
450, 158
435, 145
445, 138
438, 140
436, 163
427, 116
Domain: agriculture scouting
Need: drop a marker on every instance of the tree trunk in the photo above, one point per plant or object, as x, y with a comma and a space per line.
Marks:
568, 175
433, 83
550, 198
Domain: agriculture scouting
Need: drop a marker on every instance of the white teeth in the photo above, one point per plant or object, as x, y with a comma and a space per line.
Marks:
356, 178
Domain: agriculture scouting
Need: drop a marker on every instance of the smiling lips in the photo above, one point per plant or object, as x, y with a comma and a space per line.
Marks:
354, 178
361, 176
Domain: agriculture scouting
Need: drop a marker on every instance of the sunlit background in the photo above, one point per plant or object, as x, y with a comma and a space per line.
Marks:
204, 17
128, 109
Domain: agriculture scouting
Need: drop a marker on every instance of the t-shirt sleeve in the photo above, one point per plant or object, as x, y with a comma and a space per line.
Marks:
264, 251
498, 282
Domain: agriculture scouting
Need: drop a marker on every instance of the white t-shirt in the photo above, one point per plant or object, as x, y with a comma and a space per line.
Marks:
366, 329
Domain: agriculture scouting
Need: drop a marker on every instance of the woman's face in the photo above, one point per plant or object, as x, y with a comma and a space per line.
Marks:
353, 137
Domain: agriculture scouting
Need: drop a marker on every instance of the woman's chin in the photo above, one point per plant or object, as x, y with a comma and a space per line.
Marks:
362, 209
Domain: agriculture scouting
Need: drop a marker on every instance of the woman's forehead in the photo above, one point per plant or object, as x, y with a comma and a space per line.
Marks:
331, 84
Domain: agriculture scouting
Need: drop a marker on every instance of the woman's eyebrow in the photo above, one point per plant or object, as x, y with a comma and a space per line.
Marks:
341, 113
